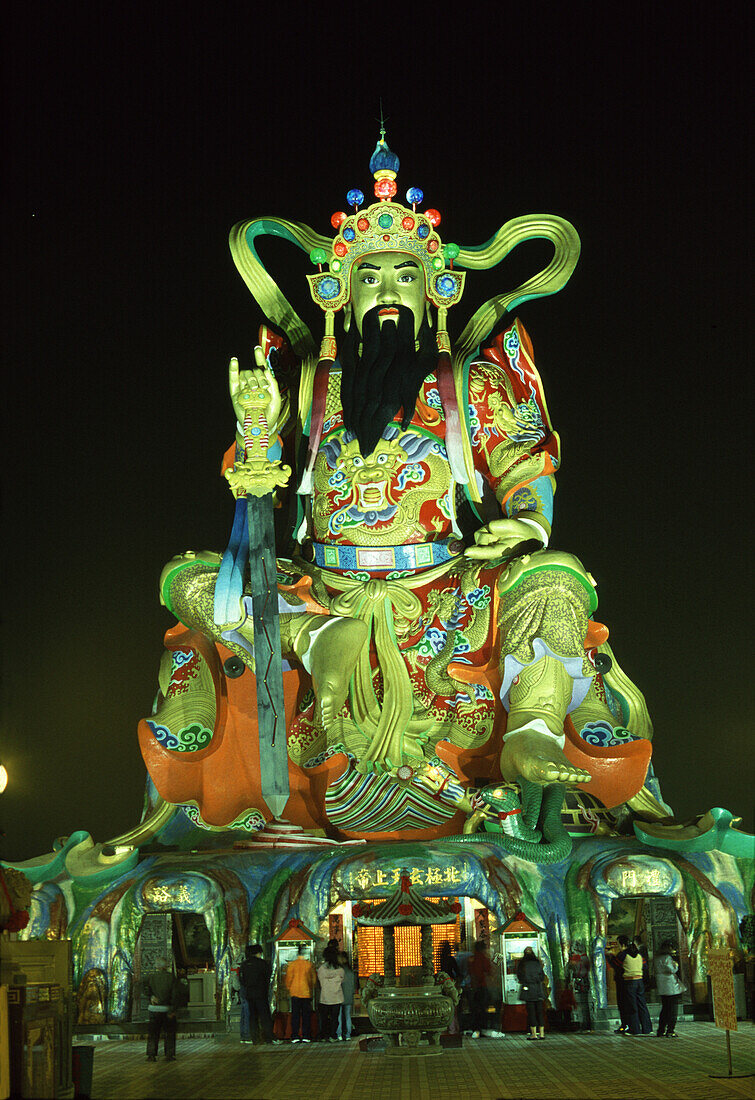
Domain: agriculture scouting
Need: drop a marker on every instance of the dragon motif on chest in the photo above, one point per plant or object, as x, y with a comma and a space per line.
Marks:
355, 490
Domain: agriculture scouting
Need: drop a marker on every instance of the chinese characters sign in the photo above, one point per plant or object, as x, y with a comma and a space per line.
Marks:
629, 877
367, 880
722, 984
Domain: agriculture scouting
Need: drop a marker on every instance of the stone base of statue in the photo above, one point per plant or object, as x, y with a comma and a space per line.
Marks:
404, 1014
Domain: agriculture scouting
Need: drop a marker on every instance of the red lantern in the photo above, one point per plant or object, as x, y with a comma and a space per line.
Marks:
455, 907
406, 910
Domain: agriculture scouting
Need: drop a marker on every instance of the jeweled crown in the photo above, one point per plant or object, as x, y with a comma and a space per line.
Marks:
385, 226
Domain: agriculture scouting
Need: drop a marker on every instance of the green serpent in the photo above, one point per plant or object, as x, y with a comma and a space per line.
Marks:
532, 829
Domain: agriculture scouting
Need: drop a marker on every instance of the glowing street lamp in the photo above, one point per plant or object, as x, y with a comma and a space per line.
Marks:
3, 778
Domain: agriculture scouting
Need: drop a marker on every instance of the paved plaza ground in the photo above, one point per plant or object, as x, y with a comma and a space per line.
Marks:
585, 1066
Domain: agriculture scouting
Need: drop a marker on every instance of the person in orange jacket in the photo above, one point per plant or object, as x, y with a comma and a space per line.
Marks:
300, 982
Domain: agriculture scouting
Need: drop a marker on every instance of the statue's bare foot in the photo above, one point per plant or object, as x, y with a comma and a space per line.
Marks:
532, 755
332, 659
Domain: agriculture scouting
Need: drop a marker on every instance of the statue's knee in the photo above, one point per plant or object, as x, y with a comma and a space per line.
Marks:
548, 571
187, 577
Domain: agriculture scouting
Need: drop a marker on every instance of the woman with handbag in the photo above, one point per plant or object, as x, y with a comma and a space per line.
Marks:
670, 989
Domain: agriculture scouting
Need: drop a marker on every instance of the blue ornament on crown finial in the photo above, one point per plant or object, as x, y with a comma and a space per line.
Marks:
383, 160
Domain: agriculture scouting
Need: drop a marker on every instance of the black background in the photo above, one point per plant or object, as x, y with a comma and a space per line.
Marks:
136, 135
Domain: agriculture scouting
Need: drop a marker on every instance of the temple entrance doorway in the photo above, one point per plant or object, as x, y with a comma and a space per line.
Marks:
649, 921
183, 939
363, 946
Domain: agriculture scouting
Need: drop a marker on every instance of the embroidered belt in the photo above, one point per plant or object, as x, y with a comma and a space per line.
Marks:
383, 559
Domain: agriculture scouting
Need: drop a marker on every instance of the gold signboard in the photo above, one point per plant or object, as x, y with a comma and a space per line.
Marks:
629, 877
721, 977
375, 878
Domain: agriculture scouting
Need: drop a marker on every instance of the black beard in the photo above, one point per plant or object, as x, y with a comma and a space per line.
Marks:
386, 377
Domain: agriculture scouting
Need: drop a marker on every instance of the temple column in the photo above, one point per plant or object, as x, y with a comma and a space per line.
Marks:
389, 955
426, 941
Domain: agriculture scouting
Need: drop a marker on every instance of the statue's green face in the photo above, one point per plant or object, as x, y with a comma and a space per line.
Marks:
387, 280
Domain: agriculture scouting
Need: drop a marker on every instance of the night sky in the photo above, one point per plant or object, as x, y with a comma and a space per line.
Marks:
135, 140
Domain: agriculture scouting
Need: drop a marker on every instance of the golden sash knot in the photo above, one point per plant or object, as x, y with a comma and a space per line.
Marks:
374, 602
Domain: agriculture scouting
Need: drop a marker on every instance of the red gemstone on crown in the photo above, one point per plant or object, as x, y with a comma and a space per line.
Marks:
407, 222
340, 248
363, 225
432, 246
385, 189
433, 216
337, 219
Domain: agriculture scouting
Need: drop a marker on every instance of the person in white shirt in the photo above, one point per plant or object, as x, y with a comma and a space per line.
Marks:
330, 976
670, 988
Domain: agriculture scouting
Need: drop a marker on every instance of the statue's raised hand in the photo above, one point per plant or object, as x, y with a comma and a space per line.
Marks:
503, 538
247, 386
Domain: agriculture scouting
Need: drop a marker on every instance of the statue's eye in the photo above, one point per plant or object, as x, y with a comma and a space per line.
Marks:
358, 460
382, 459
498, 793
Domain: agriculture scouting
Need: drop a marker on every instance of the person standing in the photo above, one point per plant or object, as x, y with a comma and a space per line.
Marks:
254, 979
567, 1002
330, 975
670, 989
348, 987
448, 963
161, 990
532, 981
621, 991
480, 969
633, 964
300, 983
579, 964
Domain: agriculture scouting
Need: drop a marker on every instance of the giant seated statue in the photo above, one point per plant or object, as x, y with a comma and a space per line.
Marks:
391, 645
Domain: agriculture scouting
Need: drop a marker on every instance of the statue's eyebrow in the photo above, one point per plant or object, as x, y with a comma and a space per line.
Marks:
397, 267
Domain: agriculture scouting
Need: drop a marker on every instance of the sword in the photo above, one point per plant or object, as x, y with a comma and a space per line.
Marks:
257, 477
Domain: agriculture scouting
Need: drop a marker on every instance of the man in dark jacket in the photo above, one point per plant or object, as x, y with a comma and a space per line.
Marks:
254, 979
161, 989
618, 976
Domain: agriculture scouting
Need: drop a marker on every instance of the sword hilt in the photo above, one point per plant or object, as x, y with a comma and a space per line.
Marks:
257, 475
255, 429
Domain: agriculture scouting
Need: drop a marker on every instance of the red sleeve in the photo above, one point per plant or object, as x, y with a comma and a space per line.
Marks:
513, 441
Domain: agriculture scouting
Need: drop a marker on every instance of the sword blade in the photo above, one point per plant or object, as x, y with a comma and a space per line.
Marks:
271, 718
